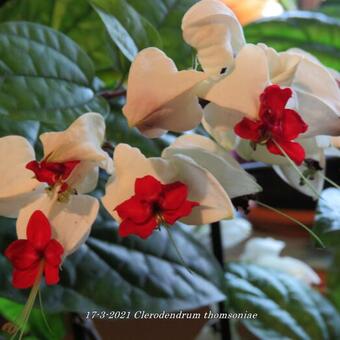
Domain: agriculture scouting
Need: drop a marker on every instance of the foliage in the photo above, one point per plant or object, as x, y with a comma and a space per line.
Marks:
314, 32
286, 308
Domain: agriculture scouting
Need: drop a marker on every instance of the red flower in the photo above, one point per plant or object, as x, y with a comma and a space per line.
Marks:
51, 172
276, 124
153, 204
38, 252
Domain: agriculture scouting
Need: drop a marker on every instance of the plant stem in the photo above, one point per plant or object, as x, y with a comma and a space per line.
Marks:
293, 220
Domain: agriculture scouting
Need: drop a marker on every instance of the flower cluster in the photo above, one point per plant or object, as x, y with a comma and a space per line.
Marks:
267, 106
264, 105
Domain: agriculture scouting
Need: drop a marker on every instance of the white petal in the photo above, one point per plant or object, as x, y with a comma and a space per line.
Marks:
219, 123
159, 97
214, 31
318, 97
282, 66
318, 115
17, 184
10, 206
289, 174
224, 136
84, 178
130, 164
291, 266
204, 188
259, 247
235, 231
82, 141
71, 222
241, 88
207, 154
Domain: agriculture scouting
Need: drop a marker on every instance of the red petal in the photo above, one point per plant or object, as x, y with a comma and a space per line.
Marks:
51, 274
22, 254
41, 173
294, 150
25, 278
275, 99
33, 166
248, 129
171, 216
53, 252
38, 230
68, 168
292, 124
174, 195
134, 209
128, 227
148, 188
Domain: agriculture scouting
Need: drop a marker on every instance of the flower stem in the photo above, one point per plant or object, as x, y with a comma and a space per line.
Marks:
293, 220
311, 187
176, 248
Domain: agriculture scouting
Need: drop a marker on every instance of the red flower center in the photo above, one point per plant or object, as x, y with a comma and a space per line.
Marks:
38, 252
276, 126
152, 205
52, 172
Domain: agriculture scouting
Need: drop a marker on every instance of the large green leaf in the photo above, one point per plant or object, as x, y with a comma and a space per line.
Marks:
28, 129
44, 75
327, 224
111, 273
166, 16
285, 307
127, 29
313, 32
75, 18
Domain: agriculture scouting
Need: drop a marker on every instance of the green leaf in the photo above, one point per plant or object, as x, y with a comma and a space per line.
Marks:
45, 76
111, 273
327, 224
127, 29
285, 307
36, 327
39, 11
313, 32
332, 10
75, 18
289, 5
166, 16
117, 131
28, 129
333, 279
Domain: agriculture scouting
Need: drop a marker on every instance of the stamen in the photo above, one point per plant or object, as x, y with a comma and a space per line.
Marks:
26, 312
161, 222
176, 249
293, 220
